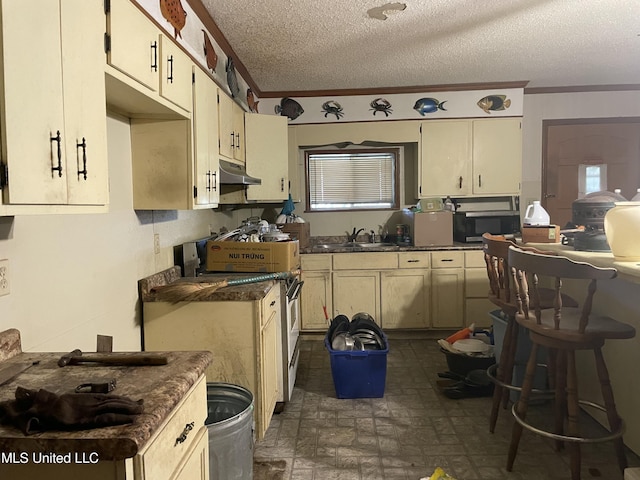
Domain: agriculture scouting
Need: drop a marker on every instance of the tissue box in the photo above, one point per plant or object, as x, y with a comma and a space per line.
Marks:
541, 234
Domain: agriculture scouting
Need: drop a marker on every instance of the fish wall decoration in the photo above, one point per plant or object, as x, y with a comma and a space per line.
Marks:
232, 80
210, 54
289, 108
175, 14
251, 101
428, 105
494, 102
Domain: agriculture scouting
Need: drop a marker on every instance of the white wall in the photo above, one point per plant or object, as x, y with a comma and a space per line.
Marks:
75, 276
563, 106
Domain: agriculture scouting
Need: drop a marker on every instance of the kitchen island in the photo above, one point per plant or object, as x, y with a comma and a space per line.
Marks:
174, 396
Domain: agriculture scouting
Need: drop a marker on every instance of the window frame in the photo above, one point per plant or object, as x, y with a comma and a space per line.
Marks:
395, 151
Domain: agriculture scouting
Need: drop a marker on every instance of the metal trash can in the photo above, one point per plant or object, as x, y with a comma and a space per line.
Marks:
230, 428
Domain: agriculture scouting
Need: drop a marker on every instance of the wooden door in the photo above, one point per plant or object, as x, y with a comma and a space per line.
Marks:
356, 291
567, 144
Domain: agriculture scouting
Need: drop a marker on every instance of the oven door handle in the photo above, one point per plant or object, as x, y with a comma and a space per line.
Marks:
296, 291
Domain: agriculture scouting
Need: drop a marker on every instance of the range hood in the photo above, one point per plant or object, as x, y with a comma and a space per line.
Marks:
233, 174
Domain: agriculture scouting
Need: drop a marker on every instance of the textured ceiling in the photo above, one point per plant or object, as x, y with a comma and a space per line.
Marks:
297, 45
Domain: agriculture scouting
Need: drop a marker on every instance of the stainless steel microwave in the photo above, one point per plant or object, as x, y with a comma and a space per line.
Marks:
469, 227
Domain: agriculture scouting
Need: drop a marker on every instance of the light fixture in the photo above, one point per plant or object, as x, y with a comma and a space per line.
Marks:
383, 12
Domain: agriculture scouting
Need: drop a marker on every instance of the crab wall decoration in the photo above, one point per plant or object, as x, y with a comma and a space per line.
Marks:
381, 105
334, 108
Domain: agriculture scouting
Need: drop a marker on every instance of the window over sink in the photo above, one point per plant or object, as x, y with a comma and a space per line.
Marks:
358, 179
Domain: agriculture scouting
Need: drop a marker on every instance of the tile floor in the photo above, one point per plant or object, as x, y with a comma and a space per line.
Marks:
409, 432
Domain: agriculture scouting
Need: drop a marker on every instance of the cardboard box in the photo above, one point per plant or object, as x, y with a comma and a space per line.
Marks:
267, 257
298, 231
541, 234
431, 228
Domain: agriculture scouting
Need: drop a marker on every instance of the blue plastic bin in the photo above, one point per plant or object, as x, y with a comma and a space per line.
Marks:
359, 374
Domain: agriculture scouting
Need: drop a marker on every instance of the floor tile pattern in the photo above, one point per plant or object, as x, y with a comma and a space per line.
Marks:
412, 430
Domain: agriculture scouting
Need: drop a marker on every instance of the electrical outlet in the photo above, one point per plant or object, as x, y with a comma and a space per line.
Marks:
156, 243
4, 277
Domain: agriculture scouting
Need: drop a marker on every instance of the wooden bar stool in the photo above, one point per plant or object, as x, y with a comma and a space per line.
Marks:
564, 330
501, 294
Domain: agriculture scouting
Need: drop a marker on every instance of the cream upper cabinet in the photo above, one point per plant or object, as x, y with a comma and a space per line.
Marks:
231, 128
497, 156
53, 122
470, 157
134, 43
175, 73
205, 133
445, 167
267, 156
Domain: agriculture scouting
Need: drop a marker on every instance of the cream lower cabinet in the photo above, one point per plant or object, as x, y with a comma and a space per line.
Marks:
54, 151
356, 282
447, 289
406, 292
161, 458
476, 286
316, 292
242, 335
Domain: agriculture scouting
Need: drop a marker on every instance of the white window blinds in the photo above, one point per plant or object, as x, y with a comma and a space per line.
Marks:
353, 180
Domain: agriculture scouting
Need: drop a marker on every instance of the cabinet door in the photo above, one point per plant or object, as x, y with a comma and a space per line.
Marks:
205, 132
196, 465
445, 166
239, 133
134, 43
227, 139
294, 170
405, 298
269, 369
315, 294
356, 291
175, 74
447, 297
267, 156
497, 156
85, 126
44, 124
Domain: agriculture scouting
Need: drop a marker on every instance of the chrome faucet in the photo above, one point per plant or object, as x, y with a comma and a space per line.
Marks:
352, 237
372, 237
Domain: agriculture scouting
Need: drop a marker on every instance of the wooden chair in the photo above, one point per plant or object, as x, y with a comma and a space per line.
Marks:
564, 331
501, 294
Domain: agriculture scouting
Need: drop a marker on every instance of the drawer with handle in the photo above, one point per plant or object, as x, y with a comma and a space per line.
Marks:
447, 259
166, 450
414, 259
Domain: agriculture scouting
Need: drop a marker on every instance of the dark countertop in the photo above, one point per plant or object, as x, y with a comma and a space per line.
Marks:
395, 248
161, 387
171, 276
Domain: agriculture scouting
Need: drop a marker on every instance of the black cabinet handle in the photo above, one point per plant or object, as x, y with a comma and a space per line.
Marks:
58, 140
413, 261
183, 436
83, 145
233, 140
460, 182
170, 65
238, 138
209, 181
479, 180
282, 184
215, 181
154, 56
447, 260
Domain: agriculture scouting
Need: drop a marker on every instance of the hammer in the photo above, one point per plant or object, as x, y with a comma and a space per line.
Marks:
133, 359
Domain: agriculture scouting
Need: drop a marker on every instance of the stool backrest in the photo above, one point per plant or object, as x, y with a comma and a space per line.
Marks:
528, 267
496, 252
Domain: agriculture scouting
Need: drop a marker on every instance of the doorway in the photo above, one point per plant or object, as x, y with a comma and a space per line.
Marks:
574, 149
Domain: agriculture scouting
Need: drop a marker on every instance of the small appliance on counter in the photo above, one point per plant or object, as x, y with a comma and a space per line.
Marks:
429, 228
476, 216
589, 211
